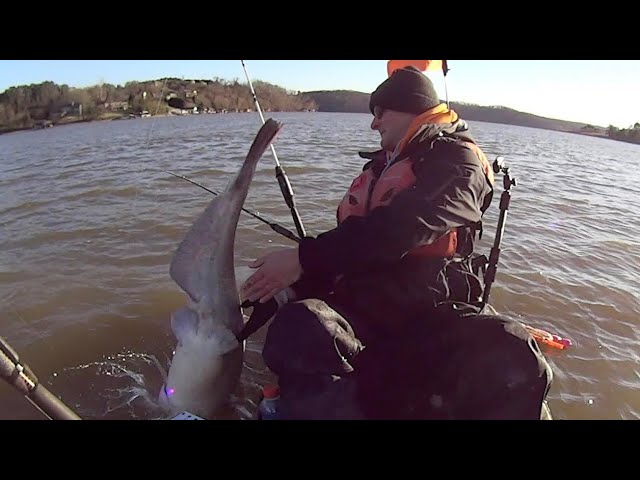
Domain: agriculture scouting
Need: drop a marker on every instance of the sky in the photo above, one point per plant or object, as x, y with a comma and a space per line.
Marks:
599, 92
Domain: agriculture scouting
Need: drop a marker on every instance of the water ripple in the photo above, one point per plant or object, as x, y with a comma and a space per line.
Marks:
89, 220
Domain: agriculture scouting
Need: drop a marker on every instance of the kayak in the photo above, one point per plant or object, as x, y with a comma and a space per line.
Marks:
545, 414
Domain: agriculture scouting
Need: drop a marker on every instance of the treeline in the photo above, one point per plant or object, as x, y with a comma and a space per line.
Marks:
47, 103
347, 101
631, 134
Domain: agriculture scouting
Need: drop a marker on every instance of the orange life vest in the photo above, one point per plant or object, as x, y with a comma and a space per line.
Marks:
368, 192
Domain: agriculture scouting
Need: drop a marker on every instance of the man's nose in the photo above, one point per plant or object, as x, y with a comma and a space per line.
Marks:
375, 123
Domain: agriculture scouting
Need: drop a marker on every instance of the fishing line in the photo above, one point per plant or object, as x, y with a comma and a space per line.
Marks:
277, 228
155, 116
280, 175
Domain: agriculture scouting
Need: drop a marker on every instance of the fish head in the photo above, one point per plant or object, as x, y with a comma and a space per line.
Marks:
200, 383
204, 370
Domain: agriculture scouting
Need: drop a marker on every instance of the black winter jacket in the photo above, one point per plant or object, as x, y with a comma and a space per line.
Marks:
366, 256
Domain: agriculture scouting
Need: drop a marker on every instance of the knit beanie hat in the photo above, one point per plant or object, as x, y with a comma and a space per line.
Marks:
406, 90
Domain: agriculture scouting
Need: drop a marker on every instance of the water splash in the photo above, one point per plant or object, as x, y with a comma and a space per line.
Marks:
125, 386
122, 386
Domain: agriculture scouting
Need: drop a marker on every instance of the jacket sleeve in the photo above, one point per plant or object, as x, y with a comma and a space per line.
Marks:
313, 285
449, 191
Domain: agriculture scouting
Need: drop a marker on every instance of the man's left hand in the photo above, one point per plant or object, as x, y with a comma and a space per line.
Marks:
276, 271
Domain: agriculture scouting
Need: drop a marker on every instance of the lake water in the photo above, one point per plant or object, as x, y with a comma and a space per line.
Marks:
89, 221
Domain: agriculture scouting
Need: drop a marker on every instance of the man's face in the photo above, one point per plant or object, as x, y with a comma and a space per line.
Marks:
391, 125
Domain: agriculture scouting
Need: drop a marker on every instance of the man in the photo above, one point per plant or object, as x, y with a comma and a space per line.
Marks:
379, 317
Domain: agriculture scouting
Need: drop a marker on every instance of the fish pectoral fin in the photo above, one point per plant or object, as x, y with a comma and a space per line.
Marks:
191, 263
184, 323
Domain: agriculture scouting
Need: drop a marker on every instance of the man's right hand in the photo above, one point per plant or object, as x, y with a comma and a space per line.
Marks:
275, 272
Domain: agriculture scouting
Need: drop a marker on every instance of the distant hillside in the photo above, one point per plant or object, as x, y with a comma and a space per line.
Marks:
48, 104
514, 117
347, 101
358, 102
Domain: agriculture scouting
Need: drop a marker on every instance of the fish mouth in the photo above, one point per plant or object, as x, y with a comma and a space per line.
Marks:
163, 398
164, 401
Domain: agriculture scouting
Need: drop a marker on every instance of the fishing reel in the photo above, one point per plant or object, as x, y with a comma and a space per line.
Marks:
499, 166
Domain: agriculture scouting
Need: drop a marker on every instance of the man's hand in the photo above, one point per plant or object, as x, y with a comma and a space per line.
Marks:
276, 271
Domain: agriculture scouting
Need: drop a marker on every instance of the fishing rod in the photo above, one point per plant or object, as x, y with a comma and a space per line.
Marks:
505, 199
283, 181
540, 335
20, 376
445, 70
274, 226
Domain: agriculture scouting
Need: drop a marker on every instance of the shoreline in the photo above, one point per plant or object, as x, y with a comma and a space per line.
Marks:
76, 121
119, 117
